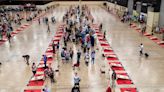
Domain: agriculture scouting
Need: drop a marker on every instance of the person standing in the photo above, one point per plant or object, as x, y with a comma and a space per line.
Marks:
71, 53
39, 21
100, 27
46, 20
51, 75
76, 80
63, 54
45, 61
86, 57
92, 41
58, 45
34, 69
113, 78
53, 47
104, 34
93, 56
141, 49
26, 58
143, 28
48, 28
78, 57
9, 36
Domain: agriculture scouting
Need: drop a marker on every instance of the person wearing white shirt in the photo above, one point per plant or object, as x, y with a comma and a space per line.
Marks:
93, 56
141, 49
76, 80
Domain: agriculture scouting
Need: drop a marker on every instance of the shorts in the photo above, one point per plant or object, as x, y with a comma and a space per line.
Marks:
34, 72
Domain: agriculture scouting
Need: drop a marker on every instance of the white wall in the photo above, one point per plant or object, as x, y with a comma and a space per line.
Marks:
152, 20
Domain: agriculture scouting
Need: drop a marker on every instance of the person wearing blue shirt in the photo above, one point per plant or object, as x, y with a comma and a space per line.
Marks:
45, 60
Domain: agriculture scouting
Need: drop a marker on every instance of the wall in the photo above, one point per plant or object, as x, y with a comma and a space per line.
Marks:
161, 22
152, 20
77, 2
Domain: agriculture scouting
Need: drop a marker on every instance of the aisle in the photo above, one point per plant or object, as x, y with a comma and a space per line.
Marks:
91, 78
14, 73
145, 73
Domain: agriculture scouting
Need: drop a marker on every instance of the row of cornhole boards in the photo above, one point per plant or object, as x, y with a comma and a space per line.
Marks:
112, 62
39, 79
20, 29
148, 35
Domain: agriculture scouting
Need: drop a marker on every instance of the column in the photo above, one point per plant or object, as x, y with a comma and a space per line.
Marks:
130, 6
161, 18
138, 8
152, 19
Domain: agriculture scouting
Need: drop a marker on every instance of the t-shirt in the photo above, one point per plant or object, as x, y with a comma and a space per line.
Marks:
78, 54
45, 58
76, 79
93, 54
34, 68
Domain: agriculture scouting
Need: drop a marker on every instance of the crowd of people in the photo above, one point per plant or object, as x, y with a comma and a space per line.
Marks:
6, 26
78, 31
11, 18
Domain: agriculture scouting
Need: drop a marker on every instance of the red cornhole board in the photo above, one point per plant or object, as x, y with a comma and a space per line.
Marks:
49, 51
49, 54
106, 50
23, 27
97, 32
128, 89
19, 29
153, 38
1, 43
96, 28
147, 34
49, 60
115, 62
124, 81
104, 44
102, 39
56, 39
36, 83
14, 32
138, 29
58, 36
40, 69
100, 36
32, 90
162, 45
156, 41
115, 68
112, 58
26, 24
133, 25
59, 32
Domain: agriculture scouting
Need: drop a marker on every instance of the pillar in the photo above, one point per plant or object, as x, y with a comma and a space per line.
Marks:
152, 19
138, 7
161, 18
130, 6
